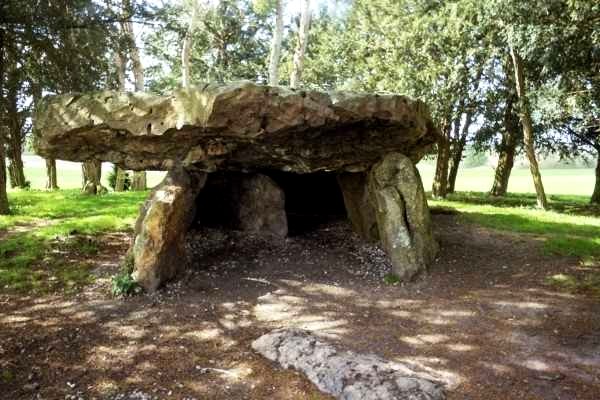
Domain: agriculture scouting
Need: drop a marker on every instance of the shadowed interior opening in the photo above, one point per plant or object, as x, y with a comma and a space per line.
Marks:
310, 199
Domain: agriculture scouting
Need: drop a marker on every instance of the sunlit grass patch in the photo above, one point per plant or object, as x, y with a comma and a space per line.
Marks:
50, 236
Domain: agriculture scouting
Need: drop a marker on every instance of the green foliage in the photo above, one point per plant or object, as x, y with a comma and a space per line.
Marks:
391, 279
231, 42
112, 179
123, 284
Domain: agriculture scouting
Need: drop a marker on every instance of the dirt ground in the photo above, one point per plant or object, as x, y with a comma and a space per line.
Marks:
482, 320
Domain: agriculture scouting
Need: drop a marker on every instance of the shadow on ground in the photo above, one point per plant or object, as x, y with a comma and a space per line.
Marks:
483, 321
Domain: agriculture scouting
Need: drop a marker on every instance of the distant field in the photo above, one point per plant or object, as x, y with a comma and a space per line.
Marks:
69, 173
556, 181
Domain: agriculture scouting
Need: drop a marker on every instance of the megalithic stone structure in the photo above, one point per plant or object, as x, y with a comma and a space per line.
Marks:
226, 141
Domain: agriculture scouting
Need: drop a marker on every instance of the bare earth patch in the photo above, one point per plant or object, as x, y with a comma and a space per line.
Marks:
482, 320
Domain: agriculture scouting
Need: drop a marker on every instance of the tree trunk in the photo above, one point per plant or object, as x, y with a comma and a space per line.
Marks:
186, 49
92, 172
139, 177
51, 180
120, 62
4, 209
138, 182
457, 152
276, 45
298, 65
15, 139
506, 159
596, 195
528, 135
440, 180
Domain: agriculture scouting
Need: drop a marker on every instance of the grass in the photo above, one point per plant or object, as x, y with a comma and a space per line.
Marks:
46, 244
571, 227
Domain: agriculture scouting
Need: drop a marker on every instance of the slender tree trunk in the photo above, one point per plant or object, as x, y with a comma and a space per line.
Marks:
276, 45
92, 172
298, 65
457, 152
139, 181
120, 62
4, 208
528, 135
596, 195
51, 180
506, 159
186, 49
15, 139
440, 179
139, 177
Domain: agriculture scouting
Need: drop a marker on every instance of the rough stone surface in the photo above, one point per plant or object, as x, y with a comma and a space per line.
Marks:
243, 201
361, 212
346, 375
158, 249
396, 192
239, 126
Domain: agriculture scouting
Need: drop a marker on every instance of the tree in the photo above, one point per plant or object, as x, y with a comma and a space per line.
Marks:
303, 30
526, 122
186, 48
264, 8
230, 42
139, 177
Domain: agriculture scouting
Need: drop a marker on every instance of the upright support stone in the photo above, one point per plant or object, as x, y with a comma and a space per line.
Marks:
361, 212
158, 249
248, 202
396, 191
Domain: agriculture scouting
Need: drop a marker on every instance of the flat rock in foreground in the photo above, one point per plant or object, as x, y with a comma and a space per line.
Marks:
346, 375
240, 126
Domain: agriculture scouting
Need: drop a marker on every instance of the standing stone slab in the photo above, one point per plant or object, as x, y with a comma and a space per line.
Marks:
361, 212
403, 220
248, 202
346, 375
158, 249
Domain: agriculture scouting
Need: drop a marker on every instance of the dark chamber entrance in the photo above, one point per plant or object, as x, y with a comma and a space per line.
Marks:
311, 200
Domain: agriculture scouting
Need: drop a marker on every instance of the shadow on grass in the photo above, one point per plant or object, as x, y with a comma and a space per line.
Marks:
570, 228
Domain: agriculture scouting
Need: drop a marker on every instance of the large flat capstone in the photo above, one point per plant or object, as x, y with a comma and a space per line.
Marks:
237, 126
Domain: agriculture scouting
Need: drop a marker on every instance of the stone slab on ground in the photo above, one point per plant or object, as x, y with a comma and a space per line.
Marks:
344, 374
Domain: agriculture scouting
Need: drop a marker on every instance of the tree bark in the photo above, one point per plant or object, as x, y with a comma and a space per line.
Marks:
186, 49
528, 135
596, 195
276, 45
120, 62
139, 177
92, 172
15, 139
457, 152
4, 208
440, 179
138, 182
506, 159
51, 180
298, 65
